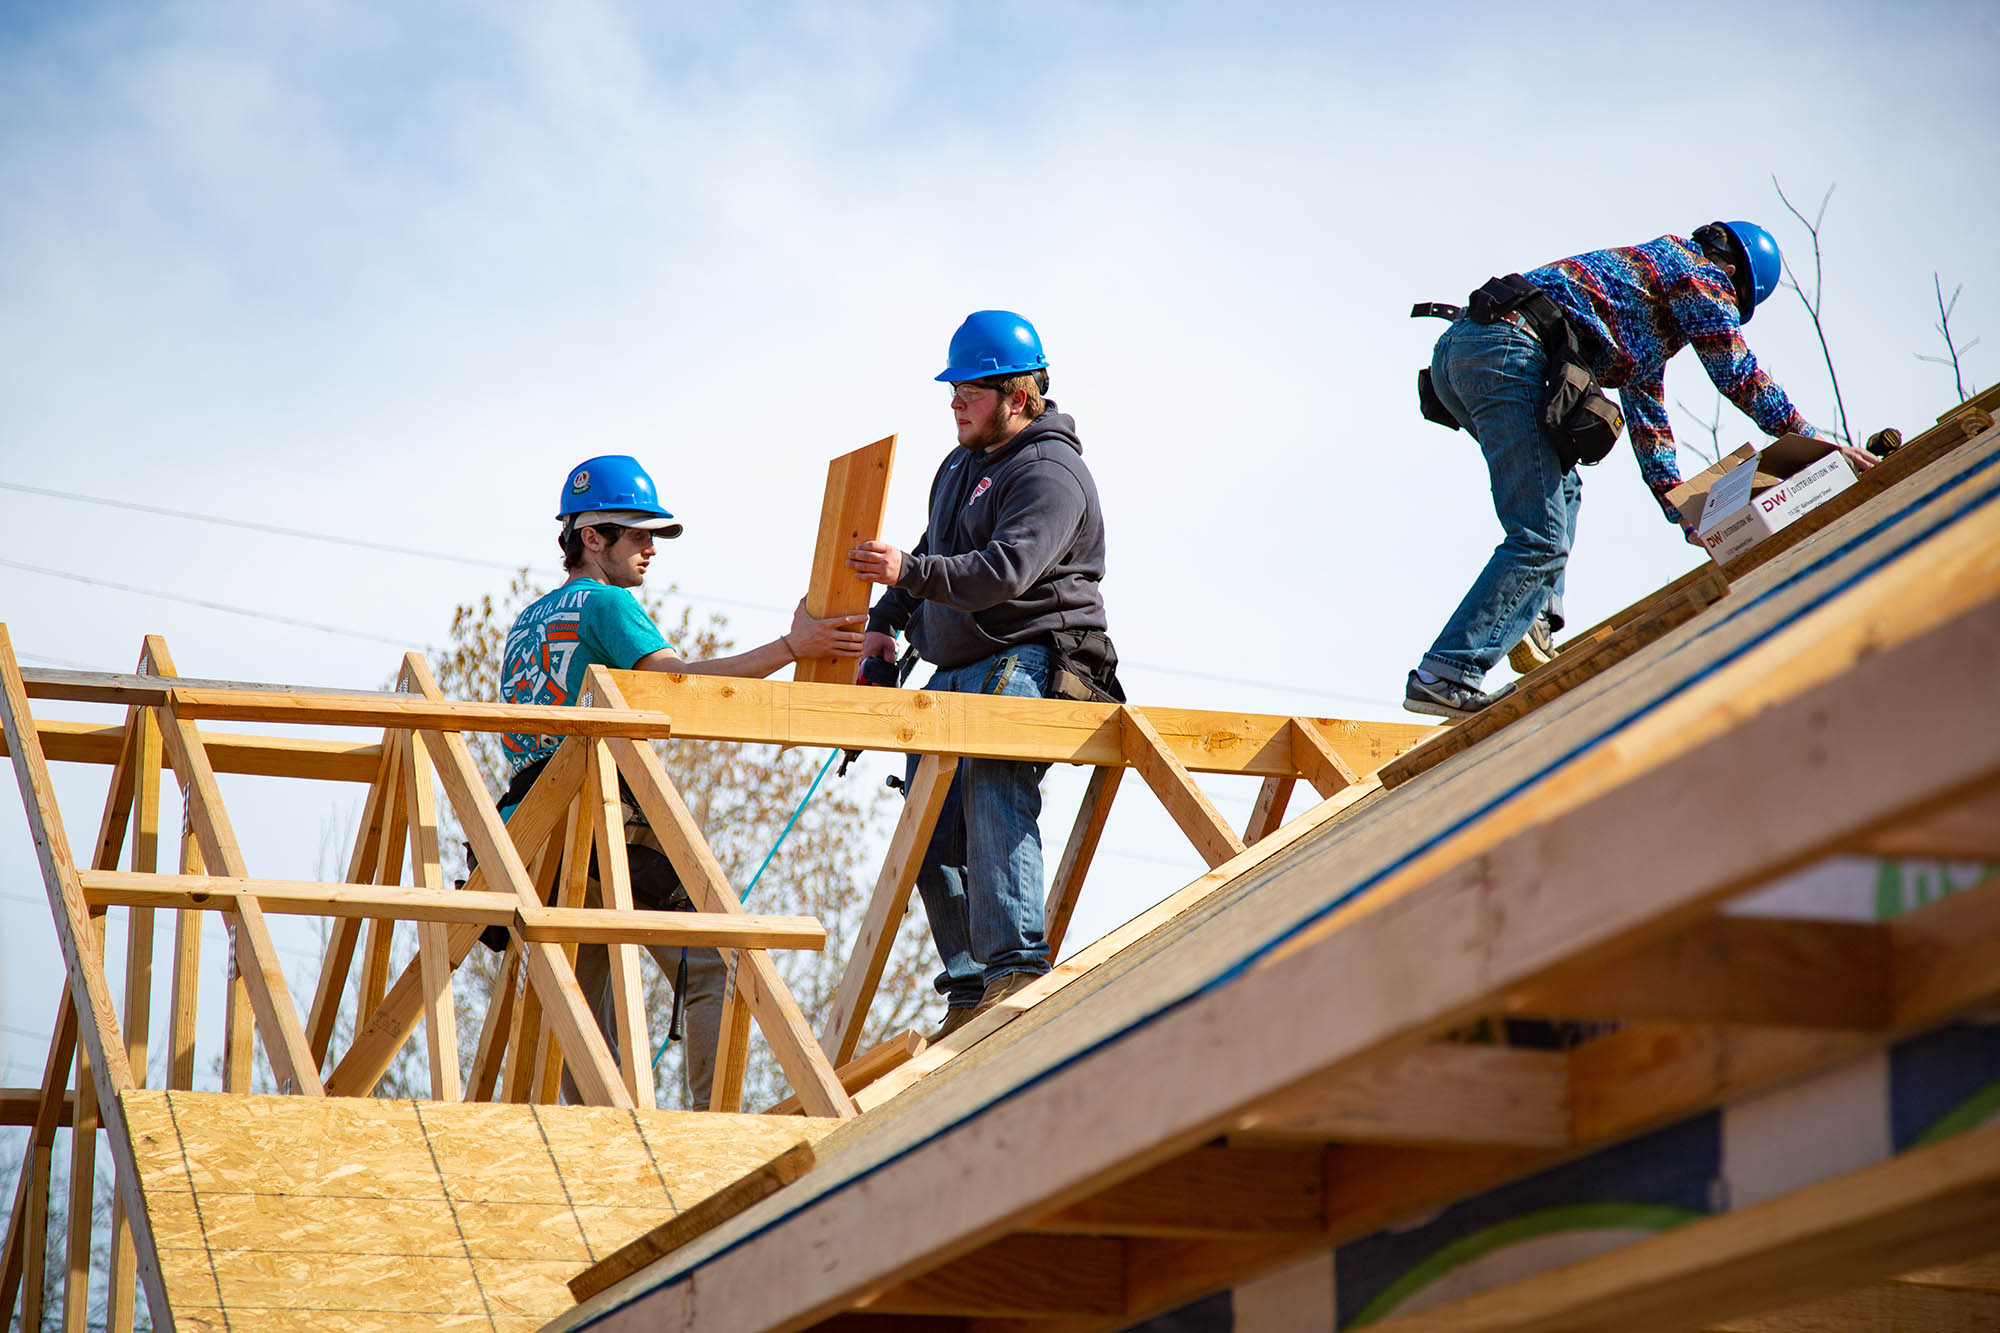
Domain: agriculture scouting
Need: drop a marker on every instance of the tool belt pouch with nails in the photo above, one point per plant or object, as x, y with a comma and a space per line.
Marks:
1580, 421
1083, 667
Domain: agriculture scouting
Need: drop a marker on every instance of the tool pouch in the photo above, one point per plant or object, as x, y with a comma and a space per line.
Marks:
1083, 667
1580, 421
1431, 405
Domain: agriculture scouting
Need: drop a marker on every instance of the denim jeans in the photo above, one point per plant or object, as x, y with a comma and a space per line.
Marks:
981, 876
1490, 377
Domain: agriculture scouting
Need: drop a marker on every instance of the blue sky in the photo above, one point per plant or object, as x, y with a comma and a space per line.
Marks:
388, 271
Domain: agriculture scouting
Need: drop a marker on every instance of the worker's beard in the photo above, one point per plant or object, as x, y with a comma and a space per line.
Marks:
998, 429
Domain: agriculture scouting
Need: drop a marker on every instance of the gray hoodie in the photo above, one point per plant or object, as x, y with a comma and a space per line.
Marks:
1015, 549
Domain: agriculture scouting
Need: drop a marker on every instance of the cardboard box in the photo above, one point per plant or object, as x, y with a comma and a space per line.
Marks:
1747, 495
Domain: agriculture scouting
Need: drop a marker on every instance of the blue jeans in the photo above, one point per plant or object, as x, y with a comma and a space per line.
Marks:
981, 876
1490, 377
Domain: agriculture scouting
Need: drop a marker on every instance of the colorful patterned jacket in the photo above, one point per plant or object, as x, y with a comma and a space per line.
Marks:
1636, 306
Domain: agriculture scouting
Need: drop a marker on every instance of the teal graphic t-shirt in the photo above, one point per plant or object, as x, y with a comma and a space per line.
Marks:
584, 623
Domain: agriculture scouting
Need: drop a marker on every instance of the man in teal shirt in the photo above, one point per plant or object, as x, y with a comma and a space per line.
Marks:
611, 519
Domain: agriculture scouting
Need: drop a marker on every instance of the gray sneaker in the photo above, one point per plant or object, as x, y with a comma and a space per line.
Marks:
1536, 648
1448, 698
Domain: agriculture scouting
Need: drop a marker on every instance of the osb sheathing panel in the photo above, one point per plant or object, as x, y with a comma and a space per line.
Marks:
369, 1214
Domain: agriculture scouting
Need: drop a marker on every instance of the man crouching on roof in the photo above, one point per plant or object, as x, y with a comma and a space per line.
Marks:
611, 517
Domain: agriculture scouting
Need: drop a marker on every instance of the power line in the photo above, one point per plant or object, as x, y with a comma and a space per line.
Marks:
279, 529
481, 562
202, 602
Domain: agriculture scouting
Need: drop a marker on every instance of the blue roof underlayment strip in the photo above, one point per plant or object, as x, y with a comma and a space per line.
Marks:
1975, 487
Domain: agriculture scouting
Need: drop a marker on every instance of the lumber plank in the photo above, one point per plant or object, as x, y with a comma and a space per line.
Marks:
877, 935
1317, 761
1443, 1093
785, 1029
1018, 1276
64, 741
19, 1106
82, 1190
857, 497
1569, 669
614, 875
89, 989
255, 955
1894, 1305
1081, 849
187, 974
1737, 969
1580, 863
150, 689
1930, 1205
758, 1183
1109, 946
1190, 807
864, 1068
563, 1005
1267, 813
121, 1268
379, 938
345, 932
52, 1105
732, 1046
501, 1008
219, 893
984, 726
377, 1041
1211, 1191
423, 714
717, 930
1964, 830
434, 961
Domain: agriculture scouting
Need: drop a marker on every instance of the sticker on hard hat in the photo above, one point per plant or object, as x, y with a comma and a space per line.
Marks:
580, 482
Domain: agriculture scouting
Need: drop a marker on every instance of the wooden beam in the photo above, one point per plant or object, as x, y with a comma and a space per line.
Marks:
1736, 969
501, 1008
261, 756
1267, 813
150, 689
614, 878
434, 960
778, 1014
1965, 830
1187, 803
89, 990
19, 1107
82, 1191
864, 1068
376, 1042
1081, 849
256, 957
182, 1016
1212, 1191
857, 496
345, 933
1576, 664
715, 930
1892, 1305
984, 726
285, 897
589, 1057
1441, 1093
732, 1043
26, 1225
1581, 863
758, 1183
1929, 1205
877, 935
1317, 761
419, 714
1018, 1276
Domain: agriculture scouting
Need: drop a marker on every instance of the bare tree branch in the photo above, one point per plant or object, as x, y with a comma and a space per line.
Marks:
1713, 426
1943, 326
1814, 302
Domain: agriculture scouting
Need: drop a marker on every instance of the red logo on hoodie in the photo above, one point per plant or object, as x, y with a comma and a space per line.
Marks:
979, 490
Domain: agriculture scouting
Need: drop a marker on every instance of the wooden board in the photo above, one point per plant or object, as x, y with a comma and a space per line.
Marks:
282, 1212
264, 756
984, 726
857, 497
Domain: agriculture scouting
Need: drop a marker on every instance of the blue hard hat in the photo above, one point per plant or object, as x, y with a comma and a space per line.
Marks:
993, 342
1765, 263
616, 486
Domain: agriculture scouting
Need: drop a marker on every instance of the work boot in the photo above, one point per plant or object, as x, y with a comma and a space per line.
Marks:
1536, 648
955, 1017
1000, 988
1443, 698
